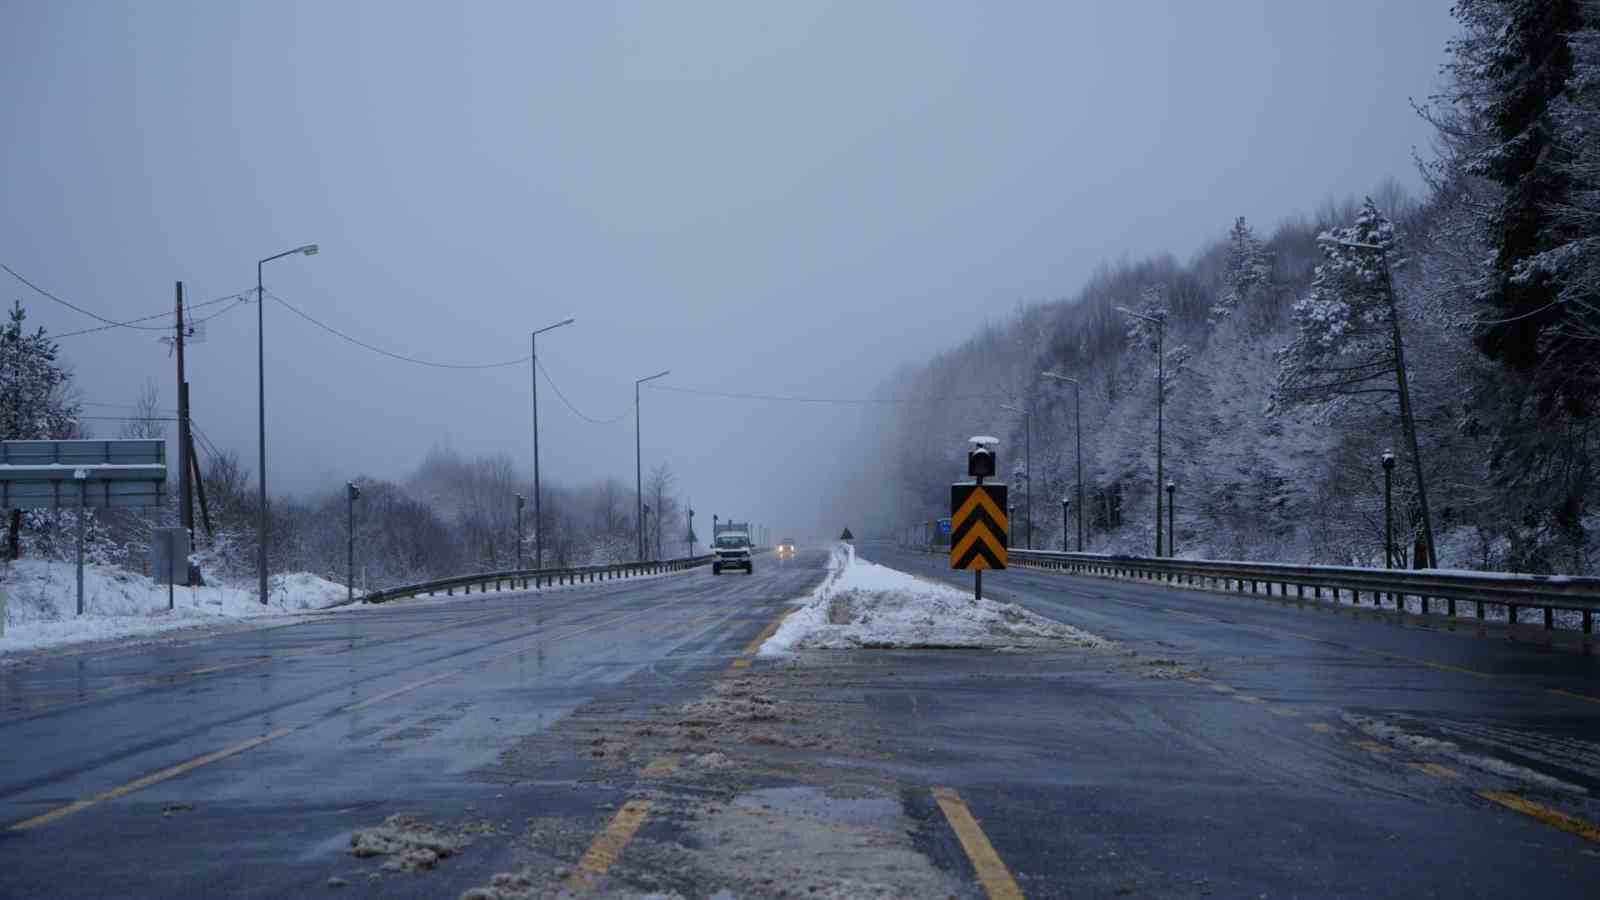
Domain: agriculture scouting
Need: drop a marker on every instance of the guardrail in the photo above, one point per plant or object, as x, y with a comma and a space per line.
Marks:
1385, 588
533, 579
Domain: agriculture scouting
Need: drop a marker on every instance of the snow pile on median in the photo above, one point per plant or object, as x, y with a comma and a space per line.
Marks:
863, 605
41, 603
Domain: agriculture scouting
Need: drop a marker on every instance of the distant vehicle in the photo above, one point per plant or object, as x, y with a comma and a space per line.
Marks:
732, 548
786, 547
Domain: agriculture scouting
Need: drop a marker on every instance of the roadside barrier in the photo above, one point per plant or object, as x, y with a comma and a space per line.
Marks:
532, 579
1434, 591
1391, 589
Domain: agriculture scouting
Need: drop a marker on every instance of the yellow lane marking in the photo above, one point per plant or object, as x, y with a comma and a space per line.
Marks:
1576, 696
992, 873
1321, 727
224, 667
741, 664
153, 778
1551, 817
608, 844
1284, 711
1436, 770
767, 632
404, 689
661, 766
1372, 746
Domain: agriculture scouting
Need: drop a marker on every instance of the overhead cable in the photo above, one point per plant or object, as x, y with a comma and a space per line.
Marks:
389, 353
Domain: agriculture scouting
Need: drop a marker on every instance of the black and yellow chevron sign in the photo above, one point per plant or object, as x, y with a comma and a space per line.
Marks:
978, 526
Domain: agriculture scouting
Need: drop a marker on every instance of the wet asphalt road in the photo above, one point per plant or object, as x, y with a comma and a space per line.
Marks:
1254, 777
368, 712
1233, 747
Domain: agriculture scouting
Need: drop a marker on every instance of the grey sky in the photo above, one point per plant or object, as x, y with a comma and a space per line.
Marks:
784, 198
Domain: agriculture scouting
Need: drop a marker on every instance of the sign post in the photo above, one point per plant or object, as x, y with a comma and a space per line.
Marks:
978, 521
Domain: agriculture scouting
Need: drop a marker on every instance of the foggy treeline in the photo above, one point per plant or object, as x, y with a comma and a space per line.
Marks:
452, 515
1280, 386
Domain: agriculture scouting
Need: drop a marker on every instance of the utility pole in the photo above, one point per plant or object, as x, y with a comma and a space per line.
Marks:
689, 538
185, 485
1406, 419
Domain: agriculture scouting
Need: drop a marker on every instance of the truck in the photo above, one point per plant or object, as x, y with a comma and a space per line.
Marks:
730, 544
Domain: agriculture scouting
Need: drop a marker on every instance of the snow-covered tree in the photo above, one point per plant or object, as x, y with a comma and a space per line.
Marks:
1248, 271
35, 396
1343, 347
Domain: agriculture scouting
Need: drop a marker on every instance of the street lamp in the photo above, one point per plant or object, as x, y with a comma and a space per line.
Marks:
647, 522
1388, 506
521, 501
638, 464
1027, 443
1066, 512
261, 411
352, 494
1077, 424
1161, 395
1172, 506
538, 520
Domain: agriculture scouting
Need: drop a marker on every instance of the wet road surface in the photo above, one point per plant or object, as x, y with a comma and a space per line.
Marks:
621, 738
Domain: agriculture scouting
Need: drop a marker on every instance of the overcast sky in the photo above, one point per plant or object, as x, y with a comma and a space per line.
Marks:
776, 198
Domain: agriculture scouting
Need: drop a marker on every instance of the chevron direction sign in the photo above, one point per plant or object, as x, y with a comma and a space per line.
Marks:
978, 527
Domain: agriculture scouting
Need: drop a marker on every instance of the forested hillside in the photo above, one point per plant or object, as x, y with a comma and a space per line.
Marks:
1280, 360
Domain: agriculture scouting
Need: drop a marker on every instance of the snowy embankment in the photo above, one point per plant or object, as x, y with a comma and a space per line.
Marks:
864, 605
41, 604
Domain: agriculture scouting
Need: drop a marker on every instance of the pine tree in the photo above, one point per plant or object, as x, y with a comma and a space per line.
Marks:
1249, 270
1526, 73
34, 396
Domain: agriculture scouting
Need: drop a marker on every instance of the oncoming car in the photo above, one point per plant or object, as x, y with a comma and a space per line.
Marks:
732, 551
786, 547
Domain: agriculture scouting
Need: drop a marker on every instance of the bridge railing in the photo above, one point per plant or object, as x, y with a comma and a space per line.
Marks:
534, 579
1432, 590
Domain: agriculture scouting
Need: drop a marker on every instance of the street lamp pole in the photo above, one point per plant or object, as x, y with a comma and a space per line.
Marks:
1161, 396
638, 461
1388, 506
521, 501
1077, 427
261, 413
1027, 452
352, 493
538, 520
1172, 506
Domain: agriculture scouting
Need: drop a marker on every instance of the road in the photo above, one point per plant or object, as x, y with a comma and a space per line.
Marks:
622, 738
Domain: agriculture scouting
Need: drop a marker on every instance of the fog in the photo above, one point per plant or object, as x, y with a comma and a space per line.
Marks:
785, 200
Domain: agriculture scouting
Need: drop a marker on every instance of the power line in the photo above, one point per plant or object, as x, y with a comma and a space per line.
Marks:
839, 401
389, 353
73, 306
577, 412
130, 322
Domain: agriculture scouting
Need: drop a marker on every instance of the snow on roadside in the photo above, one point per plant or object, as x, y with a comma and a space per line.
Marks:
864, 605
41, 604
